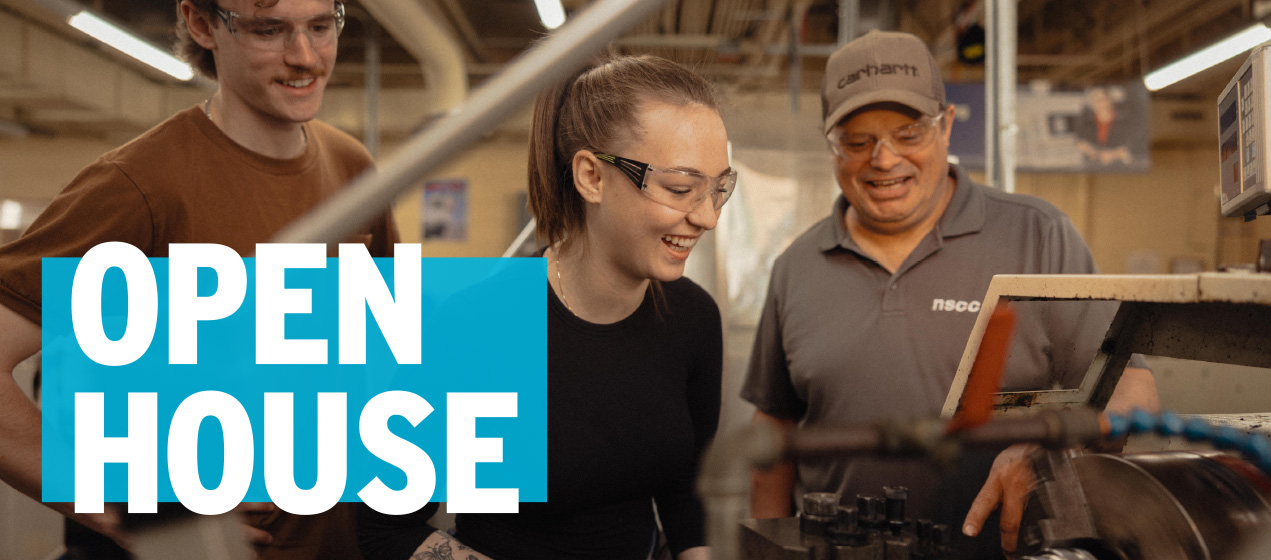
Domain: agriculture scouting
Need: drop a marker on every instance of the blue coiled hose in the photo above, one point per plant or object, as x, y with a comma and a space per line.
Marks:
1253, 447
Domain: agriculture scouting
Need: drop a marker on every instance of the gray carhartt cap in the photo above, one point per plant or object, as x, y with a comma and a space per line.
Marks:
880, 66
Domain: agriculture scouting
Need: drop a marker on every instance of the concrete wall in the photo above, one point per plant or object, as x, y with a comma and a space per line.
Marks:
1142, 223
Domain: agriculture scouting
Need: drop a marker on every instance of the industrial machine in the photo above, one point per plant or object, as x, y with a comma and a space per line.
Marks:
1184, 505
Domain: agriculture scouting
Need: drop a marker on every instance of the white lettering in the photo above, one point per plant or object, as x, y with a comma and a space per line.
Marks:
274, 302
86, 299
93, 450
186, 308
280, 480
956, 306
183, 452
464, 450
397, 314
421, 473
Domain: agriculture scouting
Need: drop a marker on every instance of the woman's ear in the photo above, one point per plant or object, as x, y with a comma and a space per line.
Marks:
587, 176
199, 25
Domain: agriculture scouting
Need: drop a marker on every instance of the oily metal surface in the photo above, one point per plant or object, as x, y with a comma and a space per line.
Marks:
1169, 506
1224, 497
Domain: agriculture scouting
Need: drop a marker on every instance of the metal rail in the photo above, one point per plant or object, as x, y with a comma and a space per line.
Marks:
553, 59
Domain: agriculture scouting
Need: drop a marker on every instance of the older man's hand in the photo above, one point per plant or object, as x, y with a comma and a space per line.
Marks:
1009, 483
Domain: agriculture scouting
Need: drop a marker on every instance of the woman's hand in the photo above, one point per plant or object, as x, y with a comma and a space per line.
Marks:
441, 546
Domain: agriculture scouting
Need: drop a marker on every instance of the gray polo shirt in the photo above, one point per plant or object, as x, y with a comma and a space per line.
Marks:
843, 341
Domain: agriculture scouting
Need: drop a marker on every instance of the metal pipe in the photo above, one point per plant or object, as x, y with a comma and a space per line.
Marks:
520, 238
371, 132
415, 27
566, 50
849, 19
1050, 428
795, 56
999, 95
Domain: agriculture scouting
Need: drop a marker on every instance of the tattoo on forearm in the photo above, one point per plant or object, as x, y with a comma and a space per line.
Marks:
444, 550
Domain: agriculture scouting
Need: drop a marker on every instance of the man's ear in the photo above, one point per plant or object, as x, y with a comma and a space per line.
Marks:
587, 176
199, 25
950, 113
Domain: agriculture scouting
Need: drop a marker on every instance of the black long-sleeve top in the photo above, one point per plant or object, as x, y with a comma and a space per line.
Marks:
630, 408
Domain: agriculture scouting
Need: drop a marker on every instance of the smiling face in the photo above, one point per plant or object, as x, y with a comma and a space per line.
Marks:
890, 193
642, 238
273, 87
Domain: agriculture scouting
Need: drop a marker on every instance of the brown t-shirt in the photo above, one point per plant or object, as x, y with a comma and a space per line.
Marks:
185, 181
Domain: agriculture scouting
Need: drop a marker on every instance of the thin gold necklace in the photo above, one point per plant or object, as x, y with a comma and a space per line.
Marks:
560, 283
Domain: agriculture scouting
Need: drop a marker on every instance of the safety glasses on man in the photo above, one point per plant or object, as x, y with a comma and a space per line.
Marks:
902, 141
677, 189
278, 33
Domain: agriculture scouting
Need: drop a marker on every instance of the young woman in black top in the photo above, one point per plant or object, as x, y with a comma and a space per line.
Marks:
628, 168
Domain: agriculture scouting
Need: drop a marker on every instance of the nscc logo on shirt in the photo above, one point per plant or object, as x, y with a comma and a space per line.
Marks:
958, 306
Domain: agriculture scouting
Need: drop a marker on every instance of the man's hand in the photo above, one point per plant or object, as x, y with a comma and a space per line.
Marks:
1011, 478
1009, 483
1137, 389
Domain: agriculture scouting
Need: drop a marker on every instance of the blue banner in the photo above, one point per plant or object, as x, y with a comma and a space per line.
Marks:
483, 338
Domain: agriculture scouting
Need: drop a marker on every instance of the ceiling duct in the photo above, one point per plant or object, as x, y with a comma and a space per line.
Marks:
418, 30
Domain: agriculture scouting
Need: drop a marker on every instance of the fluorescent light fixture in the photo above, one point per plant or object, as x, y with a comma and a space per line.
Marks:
10, 214
1208, 56
13, 130
551, 13
131, 45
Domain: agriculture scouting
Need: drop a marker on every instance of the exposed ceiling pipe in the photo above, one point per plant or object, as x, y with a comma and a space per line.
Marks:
999, 94
418, 31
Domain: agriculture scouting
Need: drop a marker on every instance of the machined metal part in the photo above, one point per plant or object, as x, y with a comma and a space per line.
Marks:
783, 539
1159, 506
894, 507
820, 511
1060, 494
826, 530
1061, 554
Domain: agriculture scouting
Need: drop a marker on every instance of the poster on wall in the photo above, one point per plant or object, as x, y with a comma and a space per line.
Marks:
1101, 128
446, 210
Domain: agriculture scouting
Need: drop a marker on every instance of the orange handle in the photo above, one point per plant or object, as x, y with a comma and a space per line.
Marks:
976, 405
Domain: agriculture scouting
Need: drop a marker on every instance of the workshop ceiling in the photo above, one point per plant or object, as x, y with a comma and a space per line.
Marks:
746, 41
745, 44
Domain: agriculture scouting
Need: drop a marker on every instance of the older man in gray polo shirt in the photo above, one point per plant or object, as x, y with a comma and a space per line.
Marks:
868, 311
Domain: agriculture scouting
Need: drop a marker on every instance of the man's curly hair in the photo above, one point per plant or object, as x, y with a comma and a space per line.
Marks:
198, 57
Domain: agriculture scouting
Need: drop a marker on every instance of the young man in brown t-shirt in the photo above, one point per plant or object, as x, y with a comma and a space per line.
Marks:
233, 171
